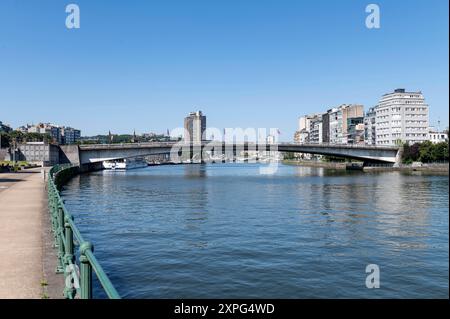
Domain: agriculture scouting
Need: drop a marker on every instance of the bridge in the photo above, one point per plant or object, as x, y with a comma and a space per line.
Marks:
93, 155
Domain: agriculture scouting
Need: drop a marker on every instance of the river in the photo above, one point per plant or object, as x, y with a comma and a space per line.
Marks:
227, 231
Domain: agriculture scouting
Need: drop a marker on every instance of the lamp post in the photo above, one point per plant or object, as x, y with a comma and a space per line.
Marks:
14, 152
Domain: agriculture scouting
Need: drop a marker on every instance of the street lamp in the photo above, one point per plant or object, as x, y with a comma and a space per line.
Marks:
14, 152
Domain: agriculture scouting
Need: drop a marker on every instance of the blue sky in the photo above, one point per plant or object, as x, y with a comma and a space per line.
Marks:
257, 63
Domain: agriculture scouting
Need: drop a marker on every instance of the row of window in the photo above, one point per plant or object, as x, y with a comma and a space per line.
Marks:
415, 128
416, 134
414, 109
401, 102
416, 122
438, 136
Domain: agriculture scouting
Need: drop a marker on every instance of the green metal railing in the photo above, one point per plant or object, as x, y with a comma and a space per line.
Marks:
78, 279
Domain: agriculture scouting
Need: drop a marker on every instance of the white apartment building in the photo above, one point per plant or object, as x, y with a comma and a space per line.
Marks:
401, 116
437, 137
336, 133
304, 127
304, 123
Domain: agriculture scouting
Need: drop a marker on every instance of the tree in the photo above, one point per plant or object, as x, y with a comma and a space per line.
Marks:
21, 137
440, 151
288, 156
426, 152
410, 153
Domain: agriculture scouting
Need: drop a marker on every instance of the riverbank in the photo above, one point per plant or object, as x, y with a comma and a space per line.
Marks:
330, 165
27, 258
429, 168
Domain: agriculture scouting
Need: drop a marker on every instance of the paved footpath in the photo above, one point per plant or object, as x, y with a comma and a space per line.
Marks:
22, 207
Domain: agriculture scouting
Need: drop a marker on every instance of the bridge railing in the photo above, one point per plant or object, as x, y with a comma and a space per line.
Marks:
361, 146
237, 143
77, 274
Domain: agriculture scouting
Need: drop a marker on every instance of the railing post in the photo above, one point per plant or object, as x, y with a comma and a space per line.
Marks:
54, 217
60, 237
86, 271
70, 290
69, 252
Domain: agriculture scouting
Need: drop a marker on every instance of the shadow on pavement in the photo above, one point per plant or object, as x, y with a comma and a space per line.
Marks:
10, 180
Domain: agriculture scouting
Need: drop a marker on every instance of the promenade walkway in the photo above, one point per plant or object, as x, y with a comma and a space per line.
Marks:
23, 232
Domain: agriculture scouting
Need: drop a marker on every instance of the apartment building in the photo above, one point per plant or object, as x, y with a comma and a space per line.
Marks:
369, 127
339, 119
435, 136
401, 117
195, 127
70, 135
58, 134
315, 129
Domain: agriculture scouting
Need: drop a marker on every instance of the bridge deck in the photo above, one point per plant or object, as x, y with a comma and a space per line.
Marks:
238, 144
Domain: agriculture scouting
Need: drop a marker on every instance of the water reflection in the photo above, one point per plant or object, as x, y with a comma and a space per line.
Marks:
217, 230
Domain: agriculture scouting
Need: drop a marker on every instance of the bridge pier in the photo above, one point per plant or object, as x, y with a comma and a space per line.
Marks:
91, 167
398, 157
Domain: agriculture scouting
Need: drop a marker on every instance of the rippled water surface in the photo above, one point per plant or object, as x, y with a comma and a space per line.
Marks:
227, 231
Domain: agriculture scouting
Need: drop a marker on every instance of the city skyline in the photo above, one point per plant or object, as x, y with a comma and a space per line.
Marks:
256, 66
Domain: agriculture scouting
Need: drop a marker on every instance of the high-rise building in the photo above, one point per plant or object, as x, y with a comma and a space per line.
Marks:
315, 131
70, 135
304, 123
355, 130
195, 127
338, 119
401, 117
326, 127
335, 125
352, 113
369, 127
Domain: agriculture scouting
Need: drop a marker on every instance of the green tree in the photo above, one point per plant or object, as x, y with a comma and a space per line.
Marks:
288, 156
426, 152
410, 153
440, 151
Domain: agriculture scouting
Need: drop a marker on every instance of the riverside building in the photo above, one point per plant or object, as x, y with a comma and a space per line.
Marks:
194, 127
369, 127
401, 117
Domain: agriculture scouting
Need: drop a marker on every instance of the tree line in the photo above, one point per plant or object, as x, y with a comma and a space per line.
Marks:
21, 137
425, 152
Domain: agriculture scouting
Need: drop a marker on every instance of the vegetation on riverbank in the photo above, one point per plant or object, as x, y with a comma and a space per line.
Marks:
425, 152
20, 137
11, 163
8, 166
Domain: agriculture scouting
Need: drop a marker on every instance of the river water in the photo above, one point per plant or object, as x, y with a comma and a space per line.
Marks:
228, 231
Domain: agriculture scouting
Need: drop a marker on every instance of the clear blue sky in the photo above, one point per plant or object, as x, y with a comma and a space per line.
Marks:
257, 63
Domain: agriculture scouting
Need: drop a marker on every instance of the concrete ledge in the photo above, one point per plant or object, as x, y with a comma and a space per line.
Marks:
330, 165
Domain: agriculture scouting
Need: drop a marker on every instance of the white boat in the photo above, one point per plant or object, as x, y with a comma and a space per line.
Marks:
125, 164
